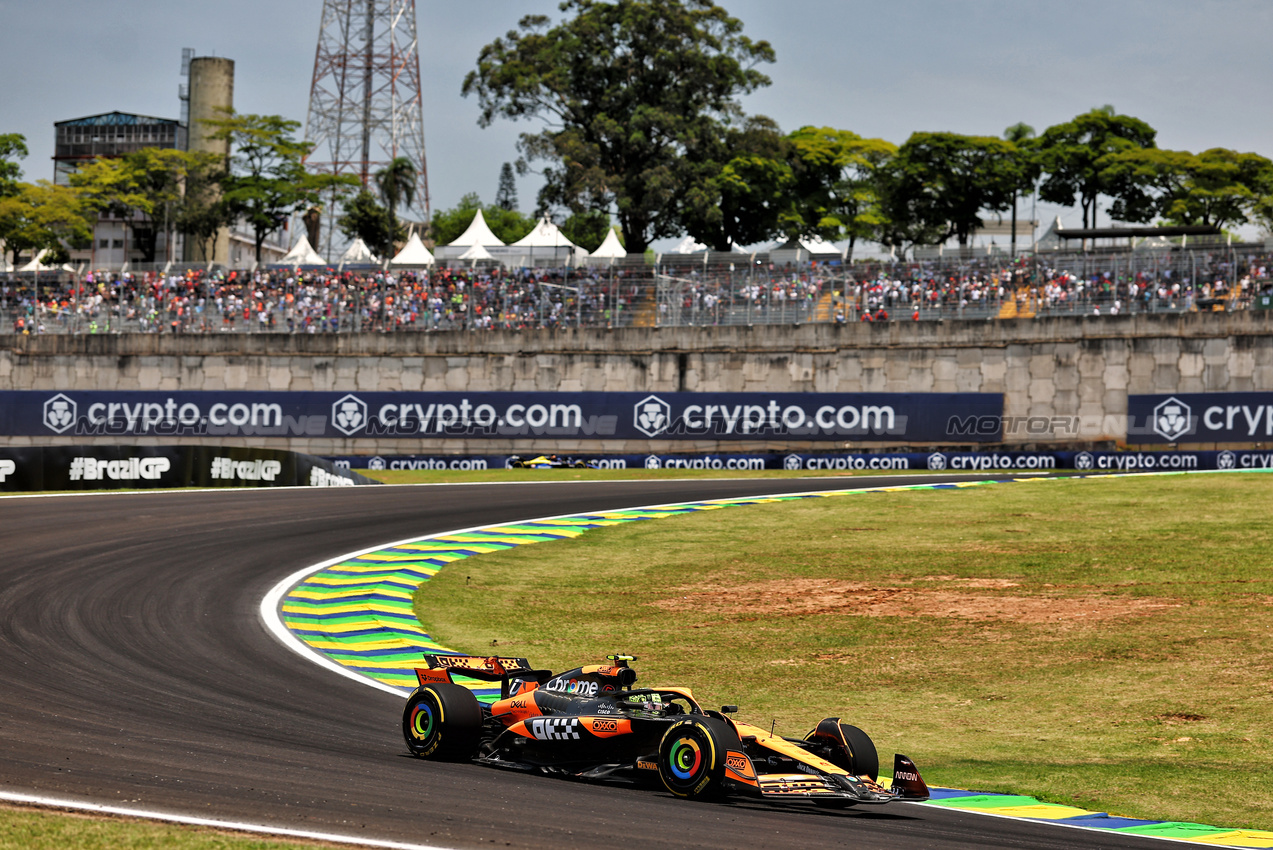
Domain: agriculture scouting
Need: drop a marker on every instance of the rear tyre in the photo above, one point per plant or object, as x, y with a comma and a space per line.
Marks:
692, 757
442, 722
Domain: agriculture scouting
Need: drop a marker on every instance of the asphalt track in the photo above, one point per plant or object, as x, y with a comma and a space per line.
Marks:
135, 671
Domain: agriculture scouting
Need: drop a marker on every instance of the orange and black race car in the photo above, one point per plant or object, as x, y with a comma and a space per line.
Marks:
591, 723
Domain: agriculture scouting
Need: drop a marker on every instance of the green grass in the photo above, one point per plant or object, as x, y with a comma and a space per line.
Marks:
37, 829
1102, 643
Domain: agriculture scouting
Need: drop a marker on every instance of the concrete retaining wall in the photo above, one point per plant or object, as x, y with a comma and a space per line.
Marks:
1054, 368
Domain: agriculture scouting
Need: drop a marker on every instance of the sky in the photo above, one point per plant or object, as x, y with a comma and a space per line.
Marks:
1196, 70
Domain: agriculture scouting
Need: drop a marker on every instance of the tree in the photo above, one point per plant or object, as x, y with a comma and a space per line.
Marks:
939, 183
507, 225
1218, 187
587, 229
836, 192
622, 87
13, 146
1075, 156
506, 195
266, 180
372, 223
735, 183
1021, 135
39, 216
397, 185
147, 189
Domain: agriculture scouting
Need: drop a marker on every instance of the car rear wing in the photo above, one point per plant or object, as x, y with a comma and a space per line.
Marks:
491, 668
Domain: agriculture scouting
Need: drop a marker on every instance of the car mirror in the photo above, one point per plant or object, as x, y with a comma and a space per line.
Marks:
729, 709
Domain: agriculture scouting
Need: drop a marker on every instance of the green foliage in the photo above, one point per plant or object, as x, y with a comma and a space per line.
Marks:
587, 229
506, 195
13, 146
152, 188
267, 180
1217, 187
507, 225
39, 216
627, 88
939, 183
1076, 155
397, 185
836, 192
735, 182
372, 223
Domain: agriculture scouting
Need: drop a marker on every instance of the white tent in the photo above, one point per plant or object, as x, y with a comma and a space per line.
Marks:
358, 254
544, 235
477, 233
413, 254
804, 250
37, 265
610, 249
476, 252
302, 254
1050, 241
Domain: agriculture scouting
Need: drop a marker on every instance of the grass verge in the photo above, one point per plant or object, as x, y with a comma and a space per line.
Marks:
1101, 643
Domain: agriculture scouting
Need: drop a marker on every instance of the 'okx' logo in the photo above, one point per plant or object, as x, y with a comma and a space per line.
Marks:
653, 415
1172, 419
59, 413
349, 414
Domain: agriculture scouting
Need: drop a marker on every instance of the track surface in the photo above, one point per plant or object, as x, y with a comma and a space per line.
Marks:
134, 671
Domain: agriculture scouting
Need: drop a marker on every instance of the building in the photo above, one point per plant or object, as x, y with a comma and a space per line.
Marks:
82, 140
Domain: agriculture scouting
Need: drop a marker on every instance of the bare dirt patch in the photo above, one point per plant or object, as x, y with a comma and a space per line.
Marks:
964, 599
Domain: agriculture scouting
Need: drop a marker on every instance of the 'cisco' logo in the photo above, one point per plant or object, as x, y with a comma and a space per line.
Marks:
1172, 418
59, 413
652, 415
349, 414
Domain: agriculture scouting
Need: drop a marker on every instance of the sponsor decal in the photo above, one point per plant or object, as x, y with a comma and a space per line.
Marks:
572, 686
1172, 419
937, 460
647, 765
792, 462
7, 468
652, 462
518, 703
1084, 460
605, 726
555, 728
740, 764
377, 463
1226, 460
906, 775
349, 414
652, 416
228, 469
129, 469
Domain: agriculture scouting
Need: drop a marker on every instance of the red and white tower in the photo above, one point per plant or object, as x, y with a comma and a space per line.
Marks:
365, 106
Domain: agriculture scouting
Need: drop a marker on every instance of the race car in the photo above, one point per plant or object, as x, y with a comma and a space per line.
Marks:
549, 462
592, 723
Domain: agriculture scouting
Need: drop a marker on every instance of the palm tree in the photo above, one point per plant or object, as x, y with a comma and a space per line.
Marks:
397, 184
1020, 134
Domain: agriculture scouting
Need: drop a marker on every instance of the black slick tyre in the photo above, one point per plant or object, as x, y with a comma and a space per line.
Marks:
692, 757
442, 722
865, 761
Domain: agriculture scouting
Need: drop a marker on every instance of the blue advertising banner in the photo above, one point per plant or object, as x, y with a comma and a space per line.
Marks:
861, 417
968, 461
1200, 418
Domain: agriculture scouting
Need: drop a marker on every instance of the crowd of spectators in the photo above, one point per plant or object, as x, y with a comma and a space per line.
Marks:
326, 301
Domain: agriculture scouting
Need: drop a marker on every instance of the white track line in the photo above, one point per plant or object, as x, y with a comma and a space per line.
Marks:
190, 820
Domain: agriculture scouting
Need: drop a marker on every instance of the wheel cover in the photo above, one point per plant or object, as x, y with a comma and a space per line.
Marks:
421, 723
685, 758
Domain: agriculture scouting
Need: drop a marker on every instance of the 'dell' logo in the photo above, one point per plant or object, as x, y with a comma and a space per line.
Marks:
349, 413
59, 413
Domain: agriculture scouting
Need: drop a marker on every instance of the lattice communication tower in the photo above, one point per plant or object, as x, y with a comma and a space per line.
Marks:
365, 106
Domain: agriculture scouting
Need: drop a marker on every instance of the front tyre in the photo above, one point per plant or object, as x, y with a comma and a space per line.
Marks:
692, 757
442, 722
